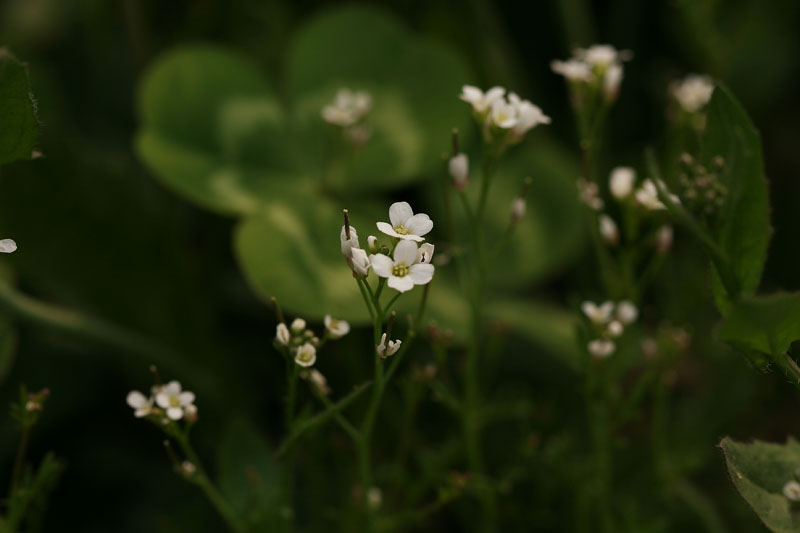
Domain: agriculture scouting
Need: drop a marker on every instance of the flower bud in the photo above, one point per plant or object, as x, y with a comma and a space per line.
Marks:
518, 208
621, 182
298, 326
608, 229
664, 239
458, 166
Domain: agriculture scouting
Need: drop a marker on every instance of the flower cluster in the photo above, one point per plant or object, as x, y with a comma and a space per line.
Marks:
597, 68
505, 120
403, 266
349, 110
608, 321
165, 403
701, 187
302, 344
693, 92
7, 246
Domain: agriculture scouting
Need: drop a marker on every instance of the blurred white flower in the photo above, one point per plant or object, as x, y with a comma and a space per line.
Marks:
348, 244
7, 246
621, 182
647, 196
573, 70
360, 262
402, 271
627, 313
615, 328
792, 491
528, 115
608, 229
347, 108
601, 348
481, 102
405, 224
374, 498
282, 335
589, 194
385, 349
518, 208
317, 380
336, 328
503, 115
598, 314
458, 167
174, 400
611, 82
693, 92
141, 404
306, 355
599, 55
298, 326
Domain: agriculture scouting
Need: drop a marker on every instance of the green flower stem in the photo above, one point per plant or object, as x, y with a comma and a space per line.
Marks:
598, 412
200, 478
19, 460
342, 420
487, 173
367, 297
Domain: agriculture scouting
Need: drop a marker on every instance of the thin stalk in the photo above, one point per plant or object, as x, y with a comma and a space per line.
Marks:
19, 460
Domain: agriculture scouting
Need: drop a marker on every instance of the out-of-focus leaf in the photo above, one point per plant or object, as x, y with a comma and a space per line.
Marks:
212, 131
250, 478
8, 346
759, 471
743, 230
18, 123
414, 82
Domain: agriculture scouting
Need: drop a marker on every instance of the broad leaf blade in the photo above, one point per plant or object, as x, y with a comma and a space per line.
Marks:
18, 123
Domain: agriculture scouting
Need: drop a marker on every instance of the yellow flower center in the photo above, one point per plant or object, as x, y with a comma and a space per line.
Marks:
304, 356
174, 401
402, 230
399, 270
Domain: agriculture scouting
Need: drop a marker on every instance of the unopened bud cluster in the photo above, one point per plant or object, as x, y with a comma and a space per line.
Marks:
592, 71
701, 187
302, 343
607, 321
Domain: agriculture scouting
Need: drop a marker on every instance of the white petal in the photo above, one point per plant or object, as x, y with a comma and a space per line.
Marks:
327, 320
425, 253
381, 264
421, 273
399, 212
405, 253
136, 399
142, 412
386, 228
7, 246
186, 398
175, 413
162, 399
419, 224
493, 94
401, 284
471, 94
173, 388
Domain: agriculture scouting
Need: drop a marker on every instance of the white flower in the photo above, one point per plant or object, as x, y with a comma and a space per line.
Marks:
573, 70
336, 328
647, 196
608, 229
141, 404
347, 108
589, 194
504, 115
425, 253
174, 400
601, 348
7, 246
480, 101
306, 355
518, 208
402, 272
615, 328
792, 491
282, 335
664, 239
459, 170
405, 224
348, 244
627, 313
385, 349
621, 182
298, 326
693, 93
360, 262
528, 115
598, 314
317, 380
599, 55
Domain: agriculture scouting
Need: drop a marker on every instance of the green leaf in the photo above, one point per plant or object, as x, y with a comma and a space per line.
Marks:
759, 472
743, 229
212, 131
414, 83
250, 478
19, 126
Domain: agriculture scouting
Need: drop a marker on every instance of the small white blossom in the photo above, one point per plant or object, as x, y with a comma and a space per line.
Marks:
503, 115
348, 244
141, 404
664, 239
608, 229
627, 313
601, 348
528, 115
425, 253
647, 196
317, 380
573, 70
385, 349
403, 271
458, 167
481, 102
306, 355
347, 108
298, 326
589, 194
599, 55
405, 224
174, 400
372, 242
792, 491
621, 182
282, 335
360, 263
336, 328
518, 208
693, 92
7, 246
615, 328
598, 314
